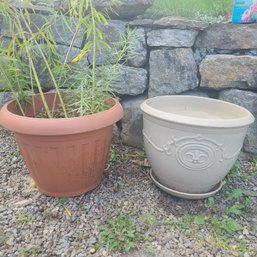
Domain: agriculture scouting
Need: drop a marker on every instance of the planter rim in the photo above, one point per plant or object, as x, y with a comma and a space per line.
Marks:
59, 126
244, 120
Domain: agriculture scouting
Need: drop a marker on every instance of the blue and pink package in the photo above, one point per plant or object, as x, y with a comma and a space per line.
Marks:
245, 11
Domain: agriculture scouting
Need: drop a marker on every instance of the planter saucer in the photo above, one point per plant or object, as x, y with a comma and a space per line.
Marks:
173, 192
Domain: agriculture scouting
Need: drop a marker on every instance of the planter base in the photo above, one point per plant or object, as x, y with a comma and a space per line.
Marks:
70, 194
170, 191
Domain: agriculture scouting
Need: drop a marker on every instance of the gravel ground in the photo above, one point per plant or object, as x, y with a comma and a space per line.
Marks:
32, 224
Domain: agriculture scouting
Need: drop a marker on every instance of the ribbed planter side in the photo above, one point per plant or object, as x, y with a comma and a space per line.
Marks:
65, 157
66, 165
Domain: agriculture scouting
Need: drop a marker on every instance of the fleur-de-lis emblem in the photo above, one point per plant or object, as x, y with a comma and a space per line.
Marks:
196, 157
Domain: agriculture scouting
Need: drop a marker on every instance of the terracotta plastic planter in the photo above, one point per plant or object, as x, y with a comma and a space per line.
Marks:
65, 157
192, 142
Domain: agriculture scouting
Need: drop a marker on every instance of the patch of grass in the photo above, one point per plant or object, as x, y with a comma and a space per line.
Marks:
183, 224
47, 213
61, 200
118, 234
211, 201
220, 231
224, 227
207, 10
30, 251
147, 220
149, 250
236, 200
255, 162
116, 158
222, 219
23, 218
15, 155
234, 172
235, 248
199, 219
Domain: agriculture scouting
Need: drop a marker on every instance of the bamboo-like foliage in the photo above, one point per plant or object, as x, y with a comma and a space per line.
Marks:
88, 91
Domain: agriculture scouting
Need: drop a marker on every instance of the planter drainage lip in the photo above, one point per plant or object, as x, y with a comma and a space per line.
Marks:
59, 126
190, 196
237, 116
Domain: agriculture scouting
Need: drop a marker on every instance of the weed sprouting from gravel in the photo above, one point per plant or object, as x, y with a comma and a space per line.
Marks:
118, 234
116, 158
30, 251
23, 219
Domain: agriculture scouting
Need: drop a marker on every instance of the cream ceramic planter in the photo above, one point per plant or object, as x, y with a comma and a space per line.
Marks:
192, 142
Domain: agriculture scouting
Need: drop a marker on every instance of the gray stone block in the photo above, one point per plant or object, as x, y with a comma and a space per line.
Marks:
5, 97
132, 122
62, 34
172, 71
200, 54
112, 35
38, 6
195, 93
170, 22
43, 74
4, 42
228, 36
139, 51
180, 23
227, 71
125, 9
247, 100
1, 20
36, 22
171, 38
130, 81
43, 6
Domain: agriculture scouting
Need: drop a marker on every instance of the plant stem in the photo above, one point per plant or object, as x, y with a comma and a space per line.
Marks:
39, 86
94, 50
71, 45
31, 64
50, 72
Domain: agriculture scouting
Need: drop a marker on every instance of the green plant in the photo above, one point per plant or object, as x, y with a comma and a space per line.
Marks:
184, 224
234, 172
235, 209
255, 162
150, 251
15, 155
23, 218
230, 225
46, 213
234, 194
118, 234
211, 201
115, 157
147, 220
89, 86
61, 200
199, 219
30, 251
227, 225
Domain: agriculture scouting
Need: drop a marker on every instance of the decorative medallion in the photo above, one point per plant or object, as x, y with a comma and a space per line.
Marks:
194, 152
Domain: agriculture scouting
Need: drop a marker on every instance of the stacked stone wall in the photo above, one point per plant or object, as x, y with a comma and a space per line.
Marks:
173, 56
